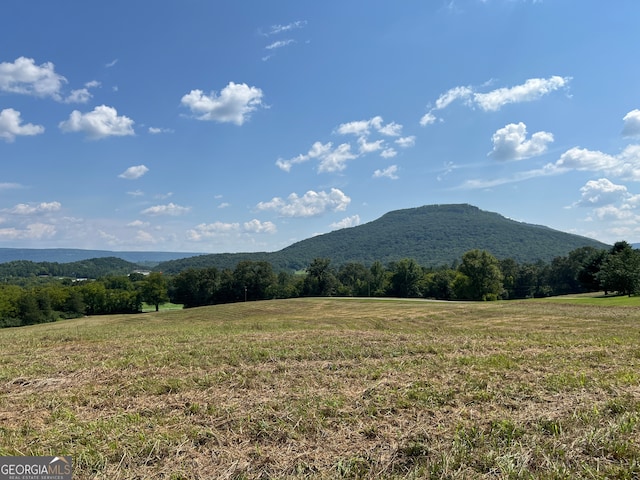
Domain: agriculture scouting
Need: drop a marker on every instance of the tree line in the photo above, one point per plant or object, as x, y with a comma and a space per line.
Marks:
478, 275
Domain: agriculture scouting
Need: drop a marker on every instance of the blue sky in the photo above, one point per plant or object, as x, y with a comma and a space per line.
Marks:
230, 126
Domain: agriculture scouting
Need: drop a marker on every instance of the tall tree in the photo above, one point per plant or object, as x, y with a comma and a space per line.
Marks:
483, 271
154, 290
620, 270
405, 279
320, 278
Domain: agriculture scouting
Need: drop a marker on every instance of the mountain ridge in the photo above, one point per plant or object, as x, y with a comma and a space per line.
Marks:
433, 235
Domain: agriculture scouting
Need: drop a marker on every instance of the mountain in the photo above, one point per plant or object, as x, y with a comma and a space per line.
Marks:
433, 235
69, 255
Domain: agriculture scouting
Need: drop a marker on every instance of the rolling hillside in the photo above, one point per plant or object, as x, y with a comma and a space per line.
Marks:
433, 235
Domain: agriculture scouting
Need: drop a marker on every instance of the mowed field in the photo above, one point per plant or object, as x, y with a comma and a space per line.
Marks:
332, 388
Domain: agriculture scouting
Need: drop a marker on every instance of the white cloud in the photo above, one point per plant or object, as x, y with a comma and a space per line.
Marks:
136, 193
388, 153
9, 186
335, 160
102, 122
510, 143
143, 236
234, 104
406, 142
347, 222
310, 204
210, 230
364, 127
138, 224
451, 95
156, 131
256, 226
34, 209
317, 150
392, 129
631, 124
389, 172
279, 44
368, 147
602, 192
11, 126
428, 119
111, 63
134, 172
25, 77
624, 165
34, 231
616, 214
532, 89
170, 209
81, 95
276, 29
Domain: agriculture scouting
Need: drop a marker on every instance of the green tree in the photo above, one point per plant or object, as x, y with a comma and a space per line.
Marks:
154, 290
405, 278
620, 270
251, 280
320, 279
355, 279
483, 272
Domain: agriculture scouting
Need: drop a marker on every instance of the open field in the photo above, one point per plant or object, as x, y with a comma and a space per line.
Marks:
331, 388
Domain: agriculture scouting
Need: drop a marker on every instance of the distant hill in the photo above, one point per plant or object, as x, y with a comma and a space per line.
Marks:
433, 235
68, 255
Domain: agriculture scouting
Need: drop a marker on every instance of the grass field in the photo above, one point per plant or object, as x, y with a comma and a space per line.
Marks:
331, 388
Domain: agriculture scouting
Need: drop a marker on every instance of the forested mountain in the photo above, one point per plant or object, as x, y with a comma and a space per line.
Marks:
68, 255
433, 235
90, 268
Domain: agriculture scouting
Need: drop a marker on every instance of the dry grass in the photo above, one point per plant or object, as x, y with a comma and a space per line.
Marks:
331, 388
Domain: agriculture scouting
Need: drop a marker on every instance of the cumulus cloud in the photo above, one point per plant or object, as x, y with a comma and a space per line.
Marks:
624, 165
82, 95
34, 209
256, 226
347, 222
331, 159
23, 76
388, 153
601, 192
532, 89
210, 230
170, 209
368, 147
453, 94
510, 143
11, 126
309, 205
34, 231
428, 119
134, 172
631, 124
389, 172
234, 104
406, 142
335, 159
365, 127
102, 122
